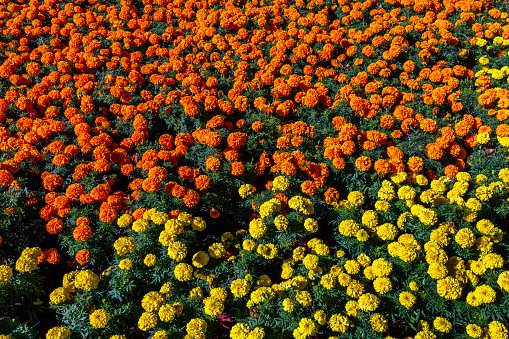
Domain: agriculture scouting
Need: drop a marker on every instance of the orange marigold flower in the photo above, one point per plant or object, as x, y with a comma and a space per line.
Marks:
82, 233
83, 257
308, 187
382, 166
52, 256
202, 182
6, 178
214, 213
212, 163
363, 163
256, 126
107, 212
434, 152
237, 168
451, 171
386, 121
191, 198
415, 164
54, 226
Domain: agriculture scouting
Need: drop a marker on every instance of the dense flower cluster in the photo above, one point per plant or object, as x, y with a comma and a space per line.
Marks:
263, 168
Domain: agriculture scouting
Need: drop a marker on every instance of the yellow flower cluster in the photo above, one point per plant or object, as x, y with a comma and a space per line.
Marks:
27, 262
5, 273
99, 318
124, 245
301, 204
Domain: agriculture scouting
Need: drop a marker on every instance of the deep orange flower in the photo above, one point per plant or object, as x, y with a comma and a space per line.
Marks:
382, 166
214, 213
415, 164
54, 226
363, 163
191, 198
83, 257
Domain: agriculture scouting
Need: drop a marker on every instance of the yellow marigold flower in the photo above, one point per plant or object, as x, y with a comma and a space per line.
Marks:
177, 251
497, 330
382, 205
381, 267
421, 180
58, 332
288, 305
59, 295
161, 334
150, 260
125, 220
303, 298
248, 245
379, 323
493, 260
270, 207
370, 220
310, 261
362, 235
124, 245
257, 228
167, 289
140, 225
152, 301
213, 307
125, 264
198, 224
5, 273
427, 216
240, 330
449, 288
368, 302
387, 231
355, 289
196, 326
311, 225
437, 271
301, 204
485, 293
86, 280
503, 281
344, 279
484, 61
240, 288
348, 228
474, 330
245, 190
465, 238
280, 183
320, 317
413, 286
200, 259
441, 324
328, 281
268, 251
217, 250
307, 327
352, 308
407, 299
355, 198
281, 222
160, 218
99, 318
406, 193
382, 285
339, 323
363, 259
183, 272
352, 267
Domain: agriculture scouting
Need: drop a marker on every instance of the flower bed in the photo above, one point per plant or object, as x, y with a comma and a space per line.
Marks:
235, 169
